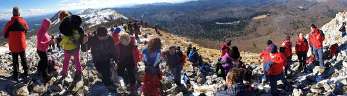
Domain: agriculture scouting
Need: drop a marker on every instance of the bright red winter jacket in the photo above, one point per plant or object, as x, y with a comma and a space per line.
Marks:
316, 38
16, 34
301, 45
288, 45
279, 61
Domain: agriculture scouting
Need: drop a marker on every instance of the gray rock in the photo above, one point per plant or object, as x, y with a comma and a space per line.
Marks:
297, 92
39, 88
22, 91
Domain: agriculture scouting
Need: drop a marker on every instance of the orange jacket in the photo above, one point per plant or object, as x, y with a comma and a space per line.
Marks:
16, 34
301, 45
316, 38
278, 63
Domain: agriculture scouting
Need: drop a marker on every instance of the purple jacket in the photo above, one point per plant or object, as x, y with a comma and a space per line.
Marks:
226, 62
43, 39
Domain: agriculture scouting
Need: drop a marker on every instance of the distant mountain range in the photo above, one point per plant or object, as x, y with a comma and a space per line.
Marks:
249, 23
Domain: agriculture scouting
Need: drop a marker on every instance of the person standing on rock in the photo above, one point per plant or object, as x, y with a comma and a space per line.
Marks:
275, 72
265, 55
128, 57
15, 31
137, 29
102, 58
301, 49
115, 35
152, 59
42, 43
189, 48
287, 44
174, 62
316, 38
72, 37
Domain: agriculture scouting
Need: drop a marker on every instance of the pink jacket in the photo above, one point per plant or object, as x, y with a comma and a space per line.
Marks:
43, 39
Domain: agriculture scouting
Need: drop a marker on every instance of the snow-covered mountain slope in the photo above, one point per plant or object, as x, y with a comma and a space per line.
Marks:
94, 17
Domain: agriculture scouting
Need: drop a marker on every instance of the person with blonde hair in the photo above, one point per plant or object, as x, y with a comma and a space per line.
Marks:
72, 35
128, 57
151, 58
234, 84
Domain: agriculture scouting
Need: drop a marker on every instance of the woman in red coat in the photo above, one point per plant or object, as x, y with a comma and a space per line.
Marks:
15, 30
301, 49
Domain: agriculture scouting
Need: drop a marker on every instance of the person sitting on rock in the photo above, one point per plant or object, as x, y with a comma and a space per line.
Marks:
174, 62
194, 57
301, 49
102, 58
73, 33
236, 58
310, 64
128, 57
151, 59
42, 42
275, 72
189, 48
316, 38
225, 47
287, 44
234, 84
15, 31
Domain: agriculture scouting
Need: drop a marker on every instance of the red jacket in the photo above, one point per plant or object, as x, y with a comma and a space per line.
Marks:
224, 48
265, 55
288, 45
16, 34
279, 61
316, 38
301, 45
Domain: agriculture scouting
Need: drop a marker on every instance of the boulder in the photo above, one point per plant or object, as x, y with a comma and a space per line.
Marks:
22, 91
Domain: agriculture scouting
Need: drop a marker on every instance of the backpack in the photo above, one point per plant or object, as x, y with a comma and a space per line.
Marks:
16, 26
192, 56
220, 71
69, 24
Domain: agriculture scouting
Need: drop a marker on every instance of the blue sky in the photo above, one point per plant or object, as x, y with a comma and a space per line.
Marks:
39, 7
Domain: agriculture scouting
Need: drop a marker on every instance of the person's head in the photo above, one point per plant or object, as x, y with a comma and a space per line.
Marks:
301, 35
154, 44
274, 50
178, 48
234, 53
282, 49
194, 49
233, 76
63, 14
101, 31
269, 42
313, 27
172, 49
117, 30
124, 39
15, 11
343, 23
228, 42
287, 37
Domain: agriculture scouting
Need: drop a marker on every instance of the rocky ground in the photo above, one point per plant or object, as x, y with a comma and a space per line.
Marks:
331, 80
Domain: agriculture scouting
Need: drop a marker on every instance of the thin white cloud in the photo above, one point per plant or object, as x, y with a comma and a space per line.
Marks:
82, 4
7, 13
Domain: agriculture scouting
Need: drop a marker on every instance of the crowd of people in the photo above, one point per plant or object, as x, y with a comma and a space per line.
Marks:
119, 49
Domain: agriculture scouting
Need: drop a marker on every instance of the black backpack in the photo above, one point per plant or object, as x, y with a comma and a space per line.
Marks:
16, 26
69, 24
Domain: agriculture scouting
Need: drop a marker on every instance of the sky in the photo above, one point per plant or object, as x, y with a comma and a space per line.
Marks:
39, 7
